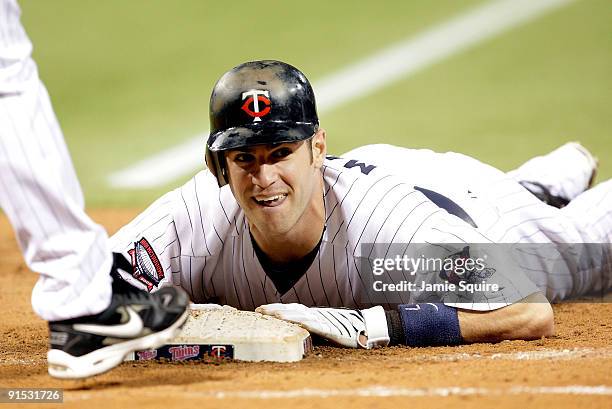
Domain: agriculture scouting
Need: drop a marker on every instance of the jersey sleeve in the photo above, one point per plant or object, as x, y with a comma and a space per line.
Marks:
150, 242
466, 270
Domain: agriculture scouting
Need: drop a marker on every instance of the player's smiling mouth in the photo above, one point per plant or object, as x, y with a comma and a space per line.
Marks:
270, 201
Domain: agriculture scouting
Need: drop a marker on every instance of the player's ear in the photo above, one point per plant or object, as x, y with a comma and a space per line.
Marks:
319, 148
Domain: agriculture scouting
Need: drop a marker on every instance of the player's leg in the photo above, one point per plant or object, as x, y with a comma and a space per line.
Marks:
591, 213
90, 319
559, 176
566, 252
40, 195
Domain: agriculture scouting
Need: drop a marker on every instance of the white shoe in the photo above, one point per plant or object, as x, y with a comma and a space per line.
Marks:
559, 176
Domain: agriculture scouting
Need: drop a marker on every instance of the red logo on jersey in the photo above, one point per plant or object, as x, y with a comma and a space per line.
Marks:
254, 98
147, 268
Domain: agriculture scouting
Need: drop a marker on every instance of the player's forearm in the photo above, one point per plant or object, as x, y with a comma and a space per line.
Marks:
532, 318
432, 324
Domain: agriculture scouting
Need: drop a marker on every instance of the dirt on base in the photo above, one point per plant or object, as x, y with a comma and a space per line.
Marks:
571, 369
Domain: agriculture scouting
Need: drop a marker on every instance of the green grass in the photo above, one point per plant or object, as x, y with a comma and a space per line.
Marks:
129, 78
514, 96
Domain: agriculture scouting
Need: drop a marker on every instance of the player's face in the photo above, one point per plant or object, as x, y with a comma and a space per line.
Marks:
279, 187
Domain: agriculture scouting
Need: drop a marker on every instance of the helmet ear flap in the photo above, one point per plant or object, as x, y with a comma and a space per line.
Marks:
216, 164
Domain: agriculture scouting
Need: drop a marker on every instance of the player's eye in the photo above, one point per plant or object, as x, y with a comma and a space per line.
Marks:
282, 153
242, 157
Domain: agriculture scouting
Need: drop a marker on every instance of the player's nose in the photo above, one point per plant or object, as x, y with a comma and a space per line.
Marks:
265, 175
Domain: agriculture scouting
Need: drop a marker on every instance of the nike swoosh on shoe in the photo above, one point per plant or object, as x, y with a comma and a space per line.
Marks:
130, 329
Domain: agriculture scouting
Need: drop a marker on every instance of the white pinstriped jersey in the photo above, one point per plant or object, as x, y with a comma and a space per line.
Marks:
197, 237
505, 212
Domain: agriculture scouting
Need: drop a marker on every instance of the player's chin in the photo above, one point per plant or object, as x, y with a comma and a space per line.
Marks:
275, 223
271, 218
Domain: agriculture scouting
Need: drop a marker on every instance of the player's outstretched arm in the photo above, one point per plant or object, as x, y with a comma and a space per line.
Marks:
426, 324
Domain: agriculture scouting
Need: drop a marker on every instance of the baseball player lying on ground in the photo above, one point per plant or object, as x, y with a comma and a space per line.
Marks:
276, 225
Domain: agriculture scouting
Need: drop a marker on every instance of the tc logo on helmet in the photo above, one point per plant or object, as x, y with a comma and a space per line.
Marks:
255, 96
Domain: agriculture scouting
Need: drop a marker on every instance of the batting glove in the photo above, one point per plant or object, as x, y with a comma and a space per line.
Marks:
350, 328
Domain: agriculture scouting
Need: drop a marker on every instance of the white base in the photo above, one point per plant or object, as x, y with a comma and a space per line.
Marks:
255, 337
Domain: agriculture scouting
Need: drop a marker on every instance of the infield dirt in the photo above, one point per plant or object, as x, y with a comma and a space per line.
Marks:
571, 369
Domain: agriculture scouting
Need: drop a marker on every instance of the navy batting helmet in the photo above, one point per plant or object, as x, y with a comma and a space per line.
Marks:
258, 103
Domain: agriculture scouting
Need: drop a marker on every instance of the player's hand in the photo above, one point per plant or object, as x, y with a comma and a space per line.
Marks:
349, 328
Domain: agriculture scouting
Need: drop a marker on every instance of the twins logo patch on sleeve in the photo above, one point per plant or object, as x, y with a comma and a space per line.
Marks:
147, 268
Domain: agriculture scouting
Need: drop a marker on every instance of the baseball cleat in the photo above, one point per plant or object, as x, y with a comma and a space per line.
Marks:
135, 320
574, 169
349, 328
543, 193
